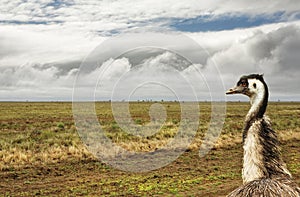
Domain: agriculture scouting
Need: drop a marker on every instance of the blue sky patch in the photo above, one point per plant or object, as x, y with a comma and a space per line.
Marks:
226, 22
59, 3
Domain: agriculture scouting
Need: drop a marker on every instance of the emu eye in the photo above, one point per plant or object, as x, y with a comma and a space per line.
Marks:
254, 85
244, 84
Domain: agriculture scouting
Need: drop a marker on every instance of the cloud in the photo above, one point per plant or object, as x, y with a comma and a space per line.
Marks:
44, 42
165, 75
22, 45
105, 17
272, 50
273, 53
31, 82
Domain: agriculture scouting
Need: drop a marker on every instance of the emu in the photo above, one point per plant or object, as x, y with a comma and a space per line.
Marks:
264, 172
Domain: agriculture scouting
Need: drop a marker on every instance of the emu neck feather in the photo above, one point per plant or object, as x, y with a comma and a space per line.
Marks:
253, 158
261, 151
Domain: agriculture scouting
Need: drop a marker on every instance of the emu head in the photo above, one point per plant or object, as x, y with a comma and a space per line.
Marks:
249, 85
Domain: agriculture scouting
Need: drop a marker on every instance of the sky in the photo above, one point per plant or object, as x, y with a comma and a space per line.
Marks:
52, 50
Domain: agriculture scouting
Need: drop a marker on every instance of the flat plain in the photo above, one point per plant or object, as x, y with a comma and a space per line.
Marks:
42, 154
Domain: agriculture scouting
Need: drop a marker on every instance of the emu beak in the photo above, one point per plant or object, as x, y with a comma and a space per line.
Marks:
235, 90
230, 91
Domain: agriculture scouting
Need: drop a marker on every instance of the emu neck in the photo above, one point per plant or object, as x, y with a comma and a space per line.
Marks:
259, 104
261, 152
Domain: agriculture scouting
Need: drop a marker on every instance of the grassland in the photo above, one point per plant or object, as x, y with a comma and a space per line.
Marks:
42, 154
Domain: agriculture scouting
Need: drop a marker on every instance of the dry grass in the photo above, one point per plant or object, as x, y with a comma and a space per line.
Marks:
34, 133
42, 134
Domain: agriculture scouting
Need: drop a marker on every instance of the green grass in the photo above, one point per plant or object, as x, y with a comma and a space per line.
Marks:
41, 152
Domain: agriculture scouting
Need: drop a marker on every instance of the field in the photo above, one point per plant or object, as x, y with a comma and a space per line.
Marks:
41, 152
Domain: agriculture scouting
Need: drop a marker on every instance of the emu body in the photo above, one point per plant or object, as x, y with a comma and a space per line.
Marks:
264, 172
